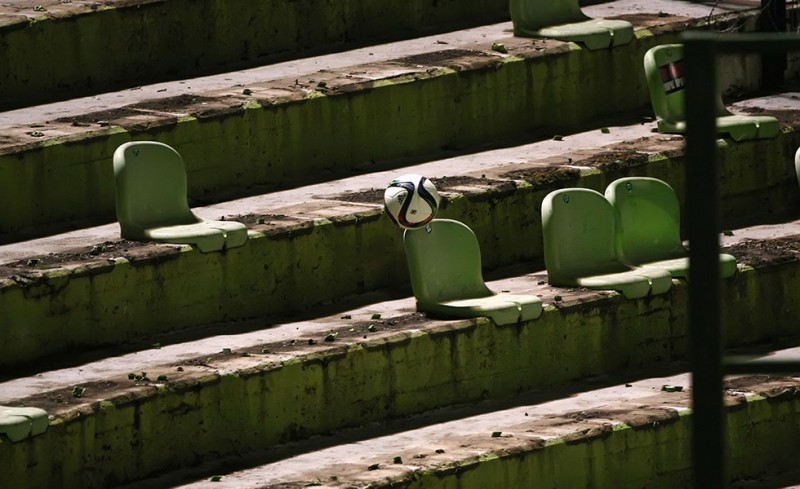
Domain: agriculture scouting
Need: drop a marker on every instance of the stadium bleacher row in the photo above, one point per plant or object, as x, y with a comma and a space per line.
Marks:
282, 345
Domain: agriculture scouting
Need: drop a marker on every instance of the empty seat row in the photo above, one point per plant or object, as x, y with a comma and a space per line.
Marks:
628, 239
151, 181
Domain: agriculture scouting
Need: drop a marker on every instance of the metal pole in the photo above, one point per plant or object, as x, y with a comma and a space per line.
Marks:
709, 446
705, 335
773, 65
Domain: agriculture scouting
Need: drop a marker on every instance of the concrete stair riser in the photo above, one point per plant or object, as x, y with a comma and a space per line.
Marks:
241, 404
620, 457
655, 456
251, 404
75, 49
103, 302
109, 302
283, 136
755, 180
278, 145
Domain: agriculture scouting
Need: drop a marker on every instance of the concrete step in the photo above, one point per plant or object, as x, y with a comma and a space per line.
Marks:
55, 50
286, 127
58, 50
605, 432
250, 380
111, 292
239, 395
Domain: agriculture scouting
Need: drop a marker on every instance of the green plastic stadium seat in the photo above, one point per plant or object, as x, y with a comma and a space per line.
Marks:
446, 277
663, 66
18, 423
649, 227
564, 20
579, 228
150, 181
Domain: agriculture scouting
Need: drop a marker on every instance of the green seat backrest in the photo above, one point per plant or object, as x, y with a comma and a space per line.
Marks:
648, 218
150, 183
663, 66
535, 14
797, 164
445, 263
579, 228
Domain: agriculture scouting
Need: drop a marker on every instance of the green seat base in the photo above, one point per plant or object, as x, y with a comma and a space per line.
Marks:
500, 308
150, 192
593, 33
206, 235
739, 127
18, 423
679, 267
632, 283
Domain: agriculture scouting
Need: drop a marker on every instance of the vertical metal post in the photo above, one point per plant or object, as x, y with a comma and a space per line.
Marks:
705, 335
773, 65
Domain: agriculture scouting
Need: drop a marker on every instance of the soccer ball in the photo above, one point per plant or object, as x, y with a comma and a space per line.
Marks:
411, 201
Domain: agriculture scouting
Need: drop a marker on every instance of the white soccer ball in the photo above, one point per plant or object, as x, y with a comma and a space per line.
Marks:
411, 201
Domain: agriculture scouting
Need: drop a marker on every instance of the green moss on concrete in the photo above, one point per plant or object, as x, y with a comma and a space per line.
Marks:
75, 49
287, 141
617, 82
261, 402
758, 176
58, 182
747, 289
108, 303
133, 299
763, 439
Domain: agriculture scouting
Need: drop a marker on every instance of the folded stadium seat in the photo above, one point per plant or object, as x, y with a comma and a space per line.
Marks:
18, 423
446, 277
579, 228
150, 181
663, 66
649, 227
564, 20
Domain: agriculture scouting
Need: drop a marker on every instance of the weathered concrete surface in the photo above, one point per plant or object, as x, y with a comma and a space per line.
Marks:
628, 435
628, 139
357, 312
65, 49
195, 401
469, 39
292, 130
244, 401
56, 53
122, 292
